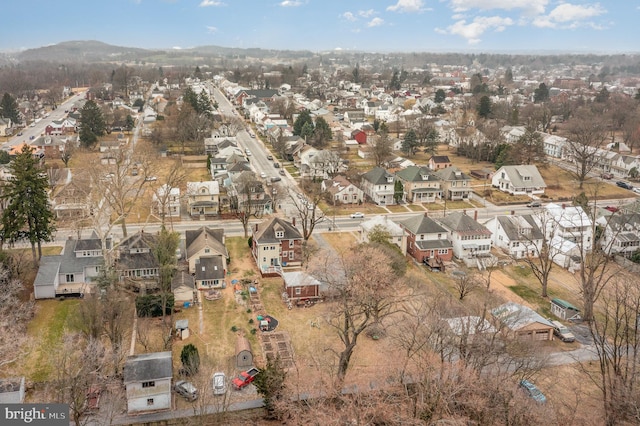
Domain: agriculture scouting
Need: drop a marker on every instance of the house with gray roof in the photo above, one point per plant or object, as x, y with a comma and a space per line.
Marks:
517, 236
207, 256
524, 179
455, 185
426, 241
523, 322
147, 380
72, 271
471, 240
136, 260
276, 244
621, 233
379, 186
419, 184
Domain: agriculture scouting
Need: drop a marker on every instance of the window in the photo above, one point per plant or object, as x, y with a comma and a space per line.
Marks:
443, 251
279, 234
149, 401
148, 384
284, 254
298, 291
291, 254
207, 250
70, 278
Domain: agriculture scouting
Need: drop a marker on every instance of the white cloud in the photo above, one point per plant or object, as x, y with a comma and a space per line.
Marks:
349, 16
205, 3
211, 29
570, 16
473, 30
366, 13
290, 3
531, 6
407, 6
375, 22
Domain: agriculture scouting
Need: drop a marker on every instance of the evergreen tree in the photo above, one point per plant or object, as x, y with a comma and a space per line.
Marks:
270, 383
321, 133
398, 191
541, 94
301, 120
9, 108
129, 123
190, 358
410, 142
92, 123
440, 96
508, 75
484, 107
28, 214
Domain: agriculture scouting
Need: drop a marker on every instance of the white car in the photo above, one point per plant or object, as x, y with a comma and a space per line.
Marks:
263, 175
357, 215
636, 190
219, 383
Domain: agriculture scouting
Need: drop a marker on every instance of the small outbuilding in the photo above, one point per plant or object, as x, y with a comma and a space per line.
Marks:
565, 310
300, 285
523, 322
12, 390
244, 355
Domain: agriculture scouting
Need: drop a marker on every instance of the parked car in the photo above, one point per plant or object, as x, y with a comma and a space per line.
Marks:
186, 390
357, 215
281, 172
247, 152
534, 204
533, 391
276, 164
269, 157
276, 179
606, 176
612, 209
636, 190
150, 179
245, 378
624, 185
562, 332
263, 175
219, 383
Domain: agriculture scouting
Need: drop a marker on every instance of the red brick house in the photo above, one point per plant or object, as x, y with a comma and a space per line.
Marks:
301, 286
276, 244
426, 241
360, 136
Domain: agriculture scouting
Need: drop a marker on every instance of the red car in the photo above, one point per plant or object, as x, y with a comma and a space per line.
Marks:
612, 209
245, 378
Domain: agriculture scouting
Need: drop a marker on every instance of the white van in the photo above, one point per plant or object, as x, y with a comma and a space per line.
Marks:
219, 384
562, 332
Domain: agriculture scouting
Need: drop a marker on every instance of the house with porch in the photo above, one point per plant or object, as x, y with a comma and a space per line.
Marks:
419, 184
517, 236
524, 179
621, 233
570, 223
456, 186
426, 241
342, 191
379, 186
471, 240
203, 198
165, 201
276, 244
205, 242
136, 263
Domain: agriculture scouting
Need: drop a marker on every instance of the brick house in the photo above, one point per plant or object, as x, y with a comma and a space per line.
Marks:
426, 241
276, 244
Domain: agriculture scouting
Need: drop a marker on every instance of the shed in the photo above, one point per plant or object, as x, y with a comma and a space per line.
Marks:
565, 310
244, 355
300, 285
12, 390
182, 328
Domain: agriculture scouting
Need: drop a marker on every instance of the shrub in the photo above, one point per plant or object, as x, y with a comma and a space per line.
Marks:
150, 305
190, 359
234, 328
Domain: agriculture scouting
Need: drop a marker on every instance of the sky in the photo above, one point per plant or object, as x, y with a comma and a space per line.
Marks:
575, 26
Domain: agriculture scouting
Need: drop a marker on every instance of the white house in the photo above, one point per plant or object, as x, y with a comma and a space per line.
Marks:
147, 379
568, 222
203, 198
524, 179
517, 236
471, 240
554, 145
166, 200
394, 230
342, 191
379, 185
621, 233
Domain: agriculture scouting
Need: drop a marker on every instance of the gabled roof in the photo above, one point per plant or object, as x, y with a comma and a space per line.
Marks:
517, 175
451, 173
422, 224
417, 174
266, 233
440, 159
517, 316
182, 278
209, 268
512, 226
299, 279
198, 239
148, 367
463, 224
377, 176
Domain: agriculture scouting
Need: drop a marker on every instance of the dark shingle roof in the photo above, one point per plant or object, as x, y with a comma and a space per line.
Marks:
208, 268
377, 176
451, 173
198, 239
422, 224
461, 223
415, 174
147, 367
266, 232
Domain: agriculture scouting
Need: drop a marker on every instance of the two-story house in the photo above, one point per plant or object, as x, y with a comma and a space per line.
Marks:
276, 244
72, 271
247, 194
455, 185
621, 233
342, 191
166, 201
524, 179
207, 256
147, 380
569, 223
379, 186
52, 146
419, 184
136, 260
203, 198
426, 241
470, 239
517, 236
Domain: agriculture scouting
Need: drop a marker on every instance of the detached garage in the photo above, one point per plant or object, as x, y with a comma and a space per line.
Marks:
523, 322
46, 282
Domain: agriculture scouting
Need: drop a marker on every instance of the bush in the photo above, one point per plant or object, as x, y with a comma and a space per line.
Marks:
254, 331
250, 320
190, 359
234, 328
150, 305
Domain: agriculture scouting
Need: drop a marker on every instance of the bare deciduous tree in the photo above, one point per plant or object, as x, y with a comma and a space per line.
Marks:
586, 132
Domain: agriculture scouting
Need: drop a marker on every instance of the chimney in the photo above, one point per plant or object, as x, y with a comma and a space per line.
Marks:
513, 212
256, 228
475, 215
564, 206
293, 221
464, 212
426, 214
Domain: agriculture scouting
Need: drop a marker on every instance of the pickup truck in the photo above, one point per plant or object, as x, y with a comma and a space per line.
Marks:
245, 378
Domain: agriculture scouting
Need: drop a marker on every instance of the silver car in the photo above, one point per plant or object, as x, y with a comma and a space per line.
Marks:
186, 390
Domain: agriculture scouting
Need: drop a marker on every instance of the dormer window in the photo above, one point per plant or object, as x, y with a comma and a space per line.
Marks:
279, 234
